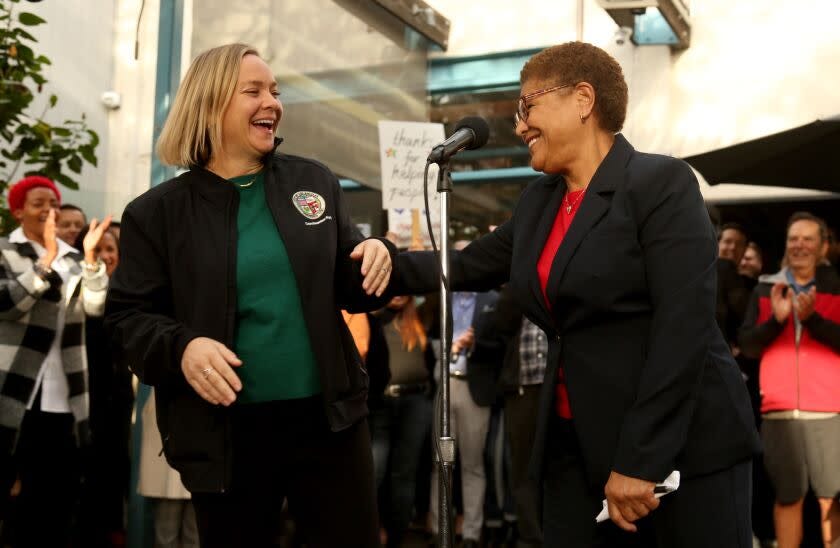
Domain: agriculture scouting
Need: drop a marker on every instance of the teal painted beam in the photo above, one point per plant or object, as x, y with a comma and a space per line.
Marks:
507, 174
168, 76
350, 184
140, 533
481, 176
492, 72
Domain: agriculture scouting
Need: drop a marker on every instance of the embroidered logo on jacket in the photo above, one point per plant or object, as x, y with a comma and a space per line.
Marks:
310, 204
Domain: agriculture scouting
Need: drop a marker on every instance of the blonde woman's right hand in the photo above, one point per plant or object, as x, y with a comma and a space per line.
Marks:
208, 367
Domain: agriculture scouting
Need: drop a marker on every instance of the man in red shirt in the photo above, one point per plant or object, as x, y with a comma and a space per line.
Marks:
793, 326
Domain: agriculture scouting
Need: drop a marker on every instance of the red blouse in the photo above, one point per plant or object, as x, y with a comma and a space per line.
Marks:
558, 231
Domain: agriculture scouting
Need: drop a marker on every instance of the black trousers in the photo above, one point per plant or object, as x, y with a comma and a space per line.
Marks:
520, 417
706, 511
46, 461
285, 449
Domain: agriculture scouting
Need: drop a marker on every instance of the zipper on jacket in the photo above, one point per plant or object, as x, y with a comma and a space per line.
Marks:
230, 271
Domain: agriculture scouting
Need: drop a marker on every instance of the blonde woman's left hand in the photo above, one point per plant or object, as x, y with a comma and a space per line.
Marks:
376, 265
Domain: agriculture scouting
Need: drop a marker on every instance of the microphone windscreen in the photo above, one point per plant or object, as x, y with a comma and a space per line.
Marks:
479, 126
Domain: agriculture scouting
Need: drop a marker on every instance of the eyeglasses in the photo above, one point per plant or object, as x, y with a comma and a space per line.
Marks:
522, 108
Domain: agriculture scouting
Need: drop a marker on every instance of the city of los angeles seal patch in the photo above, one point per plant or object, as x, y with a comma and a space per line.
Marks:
310, 204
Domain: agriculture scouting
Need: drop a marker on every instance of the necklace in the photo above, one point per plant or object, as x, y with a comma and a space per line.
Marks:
249, 183
570, 206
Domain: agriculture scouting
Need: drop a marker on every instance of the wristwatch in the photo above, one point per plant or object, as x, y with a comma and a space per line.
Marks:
42, 271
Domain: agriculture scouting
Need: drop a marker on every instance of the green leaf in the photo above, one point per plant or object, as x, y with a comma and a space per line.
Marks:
53, 100
44, 60
75, 164
94, 138
25, 53
42, 129
66, 181
87, 153
20, 33
29, 144
62, 132
30, 19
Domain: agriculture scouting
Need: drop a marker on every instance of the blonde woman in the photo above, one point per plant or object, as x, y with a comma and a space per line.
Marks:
227, 300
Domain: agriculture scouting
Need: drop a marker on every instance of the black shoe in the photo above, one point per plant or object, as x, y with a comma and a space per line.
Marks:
512, 534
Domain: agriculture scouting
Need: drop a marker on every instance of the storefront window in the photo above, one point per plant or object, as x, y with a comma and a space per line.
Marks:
488, 181
342, 66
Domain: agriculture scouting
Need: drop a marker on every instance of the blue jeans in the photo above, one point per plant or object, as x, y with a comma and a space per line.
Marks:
398, 430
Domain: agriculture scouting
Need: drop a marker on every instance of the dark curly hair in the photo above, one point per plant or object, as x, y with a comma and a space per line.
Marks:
575, 62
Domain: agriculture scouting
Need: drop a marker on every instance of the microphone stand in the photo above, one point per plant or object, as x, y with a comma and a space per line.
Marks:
446, 457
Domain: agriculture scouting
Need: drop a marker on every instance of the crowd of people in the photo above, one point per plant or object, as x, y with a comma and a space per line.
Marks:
604, 337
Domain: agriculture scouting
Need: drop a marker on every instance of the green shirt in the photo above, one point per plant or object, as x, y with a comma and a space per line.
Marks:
271, 337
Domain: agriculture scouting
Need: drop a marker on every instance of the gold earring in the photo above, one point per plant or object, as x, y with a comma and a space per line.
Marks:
582, 119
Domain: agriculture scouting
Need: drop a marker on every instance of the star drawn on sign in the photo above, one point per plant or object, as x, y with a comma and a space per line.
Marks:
391, 153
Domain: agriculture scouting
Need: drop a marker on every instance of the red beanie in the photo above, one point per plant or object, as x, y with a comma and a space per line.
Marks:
17, 194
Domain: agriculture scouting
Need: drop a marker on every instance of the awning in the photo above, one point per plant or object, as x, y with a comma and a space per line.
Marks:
805, 157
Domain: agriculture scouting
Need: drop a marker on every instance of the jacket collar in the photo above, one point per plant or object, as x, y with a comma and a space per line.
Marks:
593, 206
613, 163
216, 189
824, 276
775, 278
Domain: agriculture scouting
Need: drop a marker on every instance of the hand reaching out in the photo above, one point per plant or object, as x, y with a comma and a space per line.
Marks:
376, 265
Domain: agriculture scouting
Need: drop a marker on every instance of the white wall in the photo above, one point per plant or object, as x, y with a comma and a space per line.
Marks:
130, 127
480, 27
77, 38
755, 67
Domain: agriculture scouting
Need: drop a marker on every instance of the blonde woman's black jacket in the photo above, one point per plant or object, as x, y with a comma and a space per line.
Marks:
177, 281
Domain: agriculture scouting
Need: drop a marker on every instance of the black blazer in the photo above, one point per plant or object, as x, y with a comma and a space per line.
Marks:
509, 330
652, 385
484, 360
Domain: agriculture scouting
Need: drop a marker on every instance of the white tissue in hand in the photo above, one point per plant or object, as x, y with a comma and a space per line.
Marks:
671, 484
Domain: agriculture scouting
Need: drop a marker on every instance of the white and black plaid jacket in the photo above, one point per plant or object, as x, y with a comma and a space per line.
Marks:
29, 309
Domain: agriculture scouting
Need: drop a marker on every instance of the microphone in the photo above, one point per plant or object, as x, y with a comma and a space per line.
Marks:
470, 133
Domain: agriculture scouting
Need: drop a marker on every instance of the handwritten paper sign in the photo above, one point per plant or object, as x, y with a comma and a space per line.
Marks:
403, 149
401, 223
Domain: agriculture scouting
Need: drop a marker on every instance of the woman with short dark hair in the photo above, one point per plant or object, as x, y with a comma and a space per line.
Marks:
612, 254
